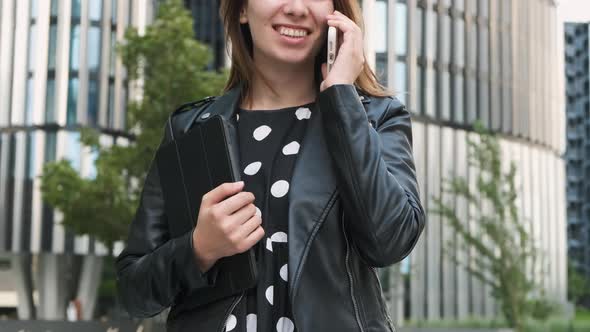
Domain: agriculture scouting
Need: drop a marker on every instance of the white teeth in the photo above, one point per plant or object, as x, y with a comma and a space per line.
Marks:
292, 32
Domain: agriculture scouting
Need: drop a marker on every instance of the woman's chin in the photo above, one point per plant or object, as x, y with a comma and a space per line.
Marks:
294, 60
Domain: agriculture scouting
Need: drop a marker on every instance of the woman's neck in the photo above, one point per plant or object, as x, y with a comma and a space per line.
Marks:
294, 85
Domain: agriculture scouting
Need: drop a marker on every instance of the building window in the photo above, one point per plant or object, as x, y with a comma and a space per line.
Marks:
431, 37
92, 102
52, 46
111, 106
50, 146
29, 101
401, 28
32, 46
380, 39
458, 96
76, 8
400, 85
114, 11
72, 101
53, 9
30, 155
50, 101
113, 56
75, 47
95, 10
34, 6
94, 48
381, 26
419, 28
73, 149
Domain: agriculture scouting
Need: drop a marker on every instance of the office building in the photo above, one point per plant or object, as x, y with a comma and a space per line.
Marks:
58, 71
577, 74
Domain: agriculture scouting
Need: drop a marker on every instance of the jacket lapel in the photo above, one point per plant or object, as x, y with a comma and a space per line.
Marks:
312, 186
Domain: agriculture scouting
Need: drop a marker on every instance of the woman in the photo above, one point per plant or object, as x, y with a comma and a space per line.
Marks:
329, 188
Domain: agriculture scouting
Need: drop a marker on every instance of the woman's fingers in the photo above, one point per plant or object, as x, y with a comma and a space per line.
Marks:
243, 214
250, 226
343, 21
234, 203
350, 56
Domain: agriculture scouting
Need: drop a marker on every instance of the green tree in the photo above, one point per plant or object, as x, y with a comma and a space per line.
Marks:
171, 64
578, 285
500, 243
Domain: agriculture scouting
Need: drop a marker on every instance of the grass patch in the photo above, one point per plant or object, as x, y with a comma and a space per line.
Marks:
582, 315
580, 324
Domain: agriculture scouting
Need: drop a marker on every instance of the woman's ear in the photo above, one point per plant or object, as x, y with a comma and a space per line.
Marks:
243, 17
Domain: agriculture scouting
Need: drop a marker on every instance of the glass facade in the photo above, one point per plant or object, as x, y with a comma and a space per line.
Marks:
457, 66
577, 59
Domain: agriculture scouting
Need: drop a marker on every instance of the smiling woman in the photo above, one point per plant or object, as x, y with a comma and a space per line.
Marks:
328, 189
252, 42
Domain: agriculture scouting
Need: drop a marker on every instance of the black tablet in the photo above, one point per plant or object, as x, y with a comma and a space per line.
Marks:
189, 167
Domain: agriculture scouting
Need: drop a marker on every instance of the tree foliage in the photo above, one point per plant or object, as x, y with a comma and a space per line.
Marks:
168, 64
500, 246
578, 285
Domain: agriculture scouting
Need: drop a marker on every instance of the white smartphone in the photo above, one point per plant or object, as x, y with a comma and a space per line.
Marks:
332, 47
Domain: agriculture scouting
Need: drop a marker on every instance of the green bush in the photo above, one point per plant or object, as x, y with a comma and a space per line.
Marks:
541, 309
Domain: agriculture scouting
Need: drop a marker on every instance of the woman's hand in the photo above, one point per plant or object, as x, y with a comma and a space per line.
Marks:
227, 224
350, 57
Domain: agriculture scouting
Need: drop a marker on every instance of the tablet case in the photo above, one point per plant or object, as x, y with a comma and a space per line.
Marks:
189, 167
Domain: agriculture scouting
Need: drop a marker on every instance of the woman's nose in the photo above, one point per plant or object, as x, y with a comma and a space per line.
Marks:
296, 7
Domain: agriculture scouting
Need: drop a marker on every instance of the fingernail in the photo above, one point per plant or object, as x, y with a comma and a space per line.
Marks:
239, 184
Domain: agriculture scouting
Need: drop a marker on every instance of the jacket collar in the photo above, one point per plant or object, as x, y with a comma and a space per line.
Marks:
228, 103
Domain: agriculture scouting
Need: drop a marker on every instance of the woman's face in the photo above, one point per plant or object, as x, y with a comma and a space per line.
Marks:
287, 31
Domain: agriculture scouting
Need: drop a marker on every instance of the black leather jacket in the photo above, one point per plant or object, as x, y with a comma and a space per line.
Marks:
354, 205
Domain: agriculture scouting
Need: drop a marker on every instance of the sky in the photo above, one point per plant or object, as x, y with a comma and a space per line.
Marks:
574, 10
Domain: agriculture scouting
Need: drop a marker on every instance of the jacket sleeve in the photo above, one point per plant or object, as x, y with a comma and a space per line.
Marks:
153, 269
376, 174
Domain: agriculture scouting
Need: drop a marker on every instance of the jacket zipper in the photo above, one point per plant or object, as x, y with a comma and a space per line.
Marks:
389, 321
350, 279
231, 308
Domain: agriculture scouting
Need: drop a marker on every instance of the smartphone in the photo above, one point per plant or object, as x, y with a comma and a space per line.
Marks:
332, 47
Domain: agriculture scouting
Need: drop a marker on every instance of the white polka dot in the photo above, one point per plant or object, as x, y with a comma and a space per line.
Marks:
206, 115
258, 212
269, 244
237, 117
261, 132
279, 188
231, 323
291, 148
251, 321
303, 113
253, 168
285, 325
279, 237
269, 294
284, 272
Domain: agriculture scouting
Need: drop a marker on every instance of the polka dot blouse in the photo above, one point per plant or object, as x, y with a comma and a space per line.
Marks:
269, 144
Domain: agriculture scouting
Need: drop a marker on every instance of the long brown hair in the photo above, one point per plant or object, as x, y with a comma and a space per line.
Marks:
243, 69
